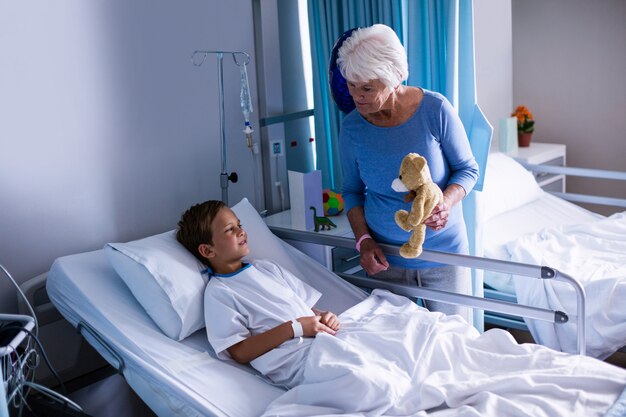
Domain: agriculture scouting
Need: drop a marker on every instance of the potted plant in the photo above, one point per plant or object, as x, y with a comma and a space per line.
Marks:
525, 125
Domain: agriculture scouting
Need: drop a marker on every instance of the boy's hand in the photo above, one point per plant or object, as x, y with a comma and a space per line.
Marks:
312, 325
330, 319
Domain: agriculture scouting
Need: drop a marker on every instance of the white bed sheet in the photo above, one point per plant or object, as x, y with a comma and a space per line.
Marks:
546, 211
393, 358
595, 254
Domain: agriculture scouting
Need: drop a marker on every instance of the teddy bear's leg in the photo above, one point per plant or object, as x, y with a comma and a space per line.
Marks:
406, 251
401, 218
413, 248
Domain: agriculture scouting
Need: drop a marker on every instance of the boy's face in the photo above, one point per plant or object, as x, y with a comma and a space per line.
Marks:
230, 241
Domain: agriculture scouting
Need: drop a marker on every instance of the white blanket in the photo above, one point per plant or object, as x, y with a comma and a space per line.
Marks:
392, 358
594, 254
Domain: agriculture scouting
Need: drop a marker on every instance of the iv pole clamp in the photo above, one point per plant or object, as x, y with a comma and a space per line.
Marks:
198, 58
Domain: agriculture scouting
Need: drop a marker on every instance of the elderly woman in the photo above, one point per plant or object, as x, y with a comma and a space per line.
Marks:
390, 121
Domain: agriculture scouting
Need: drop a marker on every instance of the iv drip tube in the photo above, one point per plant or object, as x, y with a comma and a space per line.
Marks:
246, 109
224, 176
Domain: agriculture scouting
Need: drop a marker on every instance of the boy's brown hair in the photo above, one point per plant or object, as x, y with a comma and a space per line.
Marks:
194, 227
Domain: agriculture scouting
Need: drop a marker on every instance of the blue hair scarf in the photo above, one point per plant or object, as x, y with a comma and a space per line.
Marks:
338, 84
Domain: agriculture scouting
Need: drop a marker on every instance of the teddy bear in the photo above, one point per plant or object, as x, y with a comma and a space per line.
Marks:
415, 178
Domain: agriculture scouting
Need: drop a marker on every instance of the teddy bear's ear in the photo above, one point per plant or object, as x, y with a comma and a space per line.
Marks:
418, 162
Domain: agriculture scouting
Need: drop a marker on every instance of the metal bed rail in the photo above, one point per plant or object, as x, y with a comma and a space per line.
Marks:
468, 261
585, 173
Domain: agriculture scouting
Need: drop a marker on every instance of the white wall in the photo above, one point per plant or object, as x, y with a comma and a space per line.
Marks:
107, 131
493, 55
569, 66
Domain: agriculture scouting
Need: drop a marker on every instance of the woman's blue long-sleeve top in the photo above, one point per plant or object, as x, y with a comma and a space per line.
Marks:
371, 157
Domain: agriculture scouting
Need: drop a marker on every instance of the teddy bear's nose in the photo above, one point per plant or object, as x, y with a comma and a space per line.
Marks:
400, 177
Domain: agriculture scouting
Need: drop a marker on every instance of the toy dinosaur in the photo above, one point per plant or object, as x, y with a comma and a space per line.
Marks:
322, 222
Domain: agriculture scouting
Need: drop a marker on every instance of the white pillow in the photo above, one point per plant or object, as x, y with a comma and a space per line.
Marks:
508, 185
167, 280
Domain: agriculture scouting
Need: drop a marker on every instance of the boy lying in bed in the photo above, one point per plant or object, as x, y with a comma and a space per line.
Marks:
255, 313
389, 357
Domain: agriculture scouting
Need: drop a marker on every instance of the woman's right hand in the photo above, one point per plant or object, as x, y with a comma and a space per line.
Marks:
312, 325
372, 257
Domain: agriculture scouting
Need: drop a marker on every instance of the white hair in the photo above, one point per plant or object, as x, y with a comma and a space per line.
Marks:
373, 53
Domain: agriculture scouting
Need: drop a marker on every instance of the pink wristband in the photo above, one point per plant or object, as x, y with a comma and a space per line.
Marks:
361, 239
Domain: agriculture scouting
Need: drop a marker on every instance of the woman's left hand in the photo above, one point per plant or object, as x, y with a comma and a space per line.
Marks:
438, 217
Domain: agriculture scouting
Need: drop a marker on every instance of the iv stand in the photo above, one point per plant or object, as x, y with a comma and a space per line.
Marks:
224, 176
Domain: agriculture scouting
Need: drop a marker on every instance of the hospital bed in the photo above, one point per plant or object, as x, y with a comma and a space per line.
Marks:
126, 319
521, 222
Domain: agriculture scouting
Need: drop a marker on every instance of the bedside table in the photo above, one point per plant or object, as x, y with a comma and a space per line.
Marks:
335, 259
544, 154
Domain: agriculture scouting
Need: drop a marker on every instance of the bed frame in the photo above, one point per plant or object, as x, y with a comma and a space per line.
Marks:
461, 260
585, 173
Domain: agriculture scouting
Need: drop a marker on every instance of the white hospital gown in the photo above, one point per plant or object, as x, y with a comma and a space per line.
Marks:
254, 300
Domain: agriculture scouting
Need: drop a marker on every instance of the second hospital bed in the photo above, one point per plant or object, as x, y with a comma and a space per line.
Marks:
178, 374
523, 223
